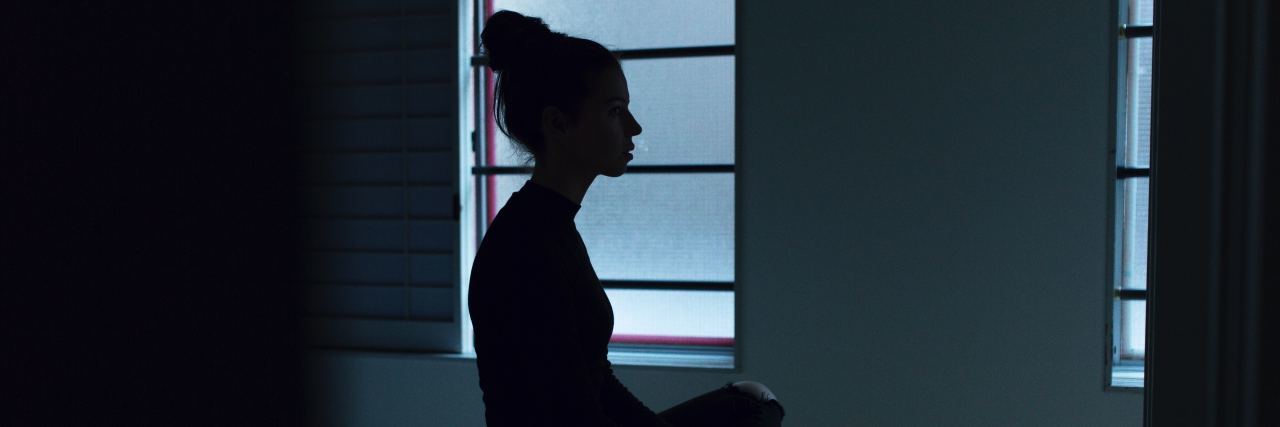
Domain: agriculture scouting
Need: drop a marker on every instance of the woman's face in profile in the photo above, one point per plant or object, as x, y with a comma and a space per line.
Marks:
601, 139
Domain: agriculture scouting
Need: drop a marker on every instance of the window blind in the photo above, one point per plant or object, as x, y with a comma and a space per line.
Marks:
380, 172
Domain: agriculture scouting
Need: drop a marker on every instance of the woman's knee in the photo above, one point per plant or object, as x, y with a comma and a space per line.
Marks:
768, 412
755, 389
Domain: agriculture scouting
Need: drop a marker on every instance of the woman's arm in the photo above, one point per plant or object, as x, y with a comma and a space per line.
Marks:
540, 327
623, 406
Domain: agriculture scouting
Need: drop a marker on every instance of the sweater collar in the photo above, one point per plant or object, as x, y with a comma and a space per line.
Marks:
549, 202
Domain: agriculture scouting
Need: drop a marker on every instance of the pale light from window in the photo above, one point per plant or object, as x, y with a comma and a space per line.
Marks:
675, 226
634, 24
706, 314
684, 107
1133, 198
1141, 11
654, 226
1137, 148
1133, 342
1134, 258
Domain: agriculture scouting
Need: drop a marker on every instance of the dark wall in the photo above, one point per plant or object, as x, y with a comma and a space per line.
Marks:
1208, 350
1270, 332
148, 214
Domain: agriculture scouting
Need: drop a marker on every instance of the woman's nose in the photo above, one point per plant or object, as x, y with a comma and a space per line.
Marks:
636, 129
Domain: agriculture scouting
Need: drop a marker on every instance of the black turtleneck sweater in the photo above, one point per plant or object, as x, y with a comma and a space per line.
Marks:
542, 322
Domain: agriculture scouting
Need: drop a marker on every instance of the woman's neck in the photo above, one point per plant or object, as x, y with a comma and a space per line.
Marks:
568, 183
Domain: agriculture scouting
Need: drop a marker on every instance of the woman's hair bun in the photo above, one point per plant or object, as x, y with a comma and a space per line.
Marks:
510, 38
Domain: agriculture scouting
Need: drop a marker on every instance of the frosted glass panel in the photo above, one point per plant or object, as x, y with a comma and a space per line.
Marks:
654, 226
1141, 11
634, 24
508, 184
685, 107
1133, 337
505, 152
1137, 149
1134, 231
672, 313
660, 227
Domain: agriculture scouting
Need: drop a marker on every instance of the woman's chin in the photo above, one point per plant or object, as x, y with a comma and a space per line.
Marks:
616, 169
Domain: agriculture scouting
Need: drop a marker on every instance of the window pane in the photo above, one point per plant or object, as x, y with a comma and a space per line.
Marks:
505, 152
1137, 148
634, 24
672, 313
1134, 258
685, 107
661, 227
505, 185
1133, 335
654, 226
1140, 11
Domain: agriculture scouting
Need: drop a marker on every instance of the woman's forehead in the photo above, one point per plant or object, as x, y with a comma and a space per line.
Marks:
611, 86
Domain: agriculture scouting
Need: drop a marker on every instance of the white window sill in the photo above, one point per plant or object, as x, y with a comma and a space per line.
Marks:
1127, 377
620, 355
672, 357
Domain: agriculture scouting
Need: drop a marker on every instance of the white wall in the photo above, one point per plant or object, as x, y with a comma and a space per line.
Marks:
922, 223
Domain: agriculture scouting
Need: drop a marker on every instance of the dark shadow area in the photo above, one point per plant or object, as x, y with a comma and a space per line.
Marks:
1270, 294
1211, 340
149, 214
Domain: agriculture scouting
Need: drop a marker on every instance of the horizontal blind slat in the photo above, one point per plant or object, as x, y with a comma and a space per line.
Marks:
370, 268
385, 334
433, 167
378, 268
374, 7
428, 270
354, 234
379, 134
353, 201
356, 301
431, 201
431, 304
389, 33
380, 302
377, 201
378, 168
380, 67
415, 99
432, 235
379, 235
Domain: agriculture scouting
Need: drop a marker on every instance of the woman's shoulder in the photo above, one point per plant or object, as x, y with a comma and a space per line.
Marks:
508, 259
511, 232
510, 243
515, 225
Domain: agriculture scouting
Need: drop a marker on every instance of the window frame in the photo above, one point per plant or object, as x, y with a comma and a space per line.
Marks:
1119, 374
717, 356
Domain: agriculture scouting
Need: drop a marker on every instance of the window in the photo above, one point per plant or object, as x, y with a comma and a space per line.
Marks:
1133, 163
661, 237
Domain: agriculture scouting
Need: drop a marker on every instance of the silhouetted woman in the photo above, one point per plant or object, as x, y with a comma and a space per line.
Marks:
542, 321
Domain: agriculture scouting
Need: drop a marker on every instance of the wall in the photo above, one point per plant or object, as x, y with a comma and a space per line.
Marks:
922, 223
